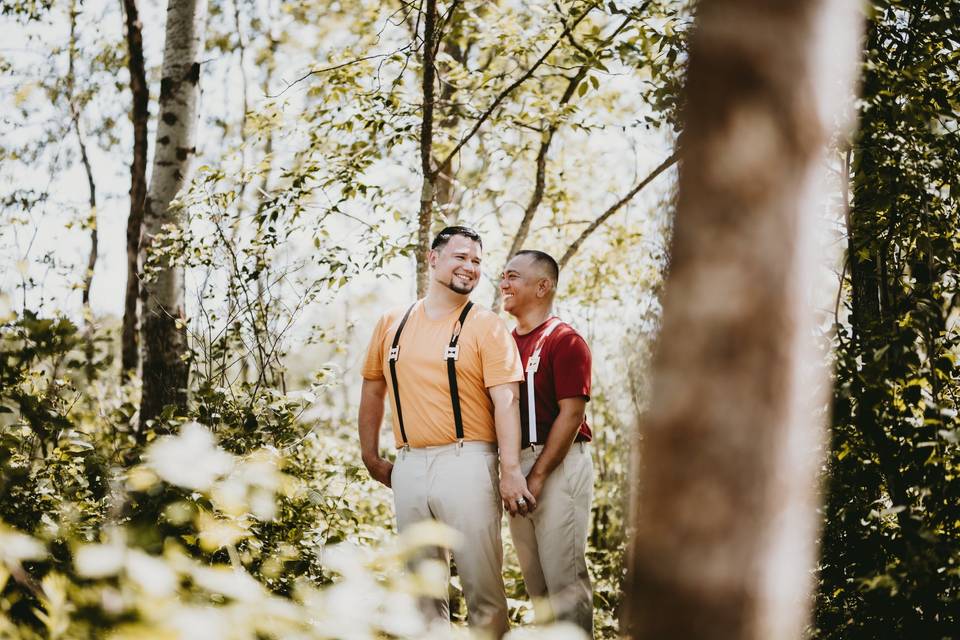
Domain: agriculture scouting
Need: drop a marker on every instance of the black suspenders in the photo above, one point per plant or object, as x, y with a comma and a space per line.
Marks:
394, 354
453, 351
451, 355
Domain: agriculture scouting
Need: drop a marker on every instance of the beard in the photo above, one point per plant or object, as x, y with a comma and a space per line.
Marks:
457, 286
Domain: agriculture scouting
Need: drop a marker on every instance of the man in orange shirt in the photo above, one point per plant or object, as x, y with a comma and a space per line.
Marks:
452, 372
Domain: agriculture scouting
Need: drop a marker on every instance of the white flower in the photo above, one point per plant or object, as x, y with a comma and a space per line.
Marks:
233, 583
16, 546
151, 574
190, 459
556, 631
200, 623
99, 560
429, 533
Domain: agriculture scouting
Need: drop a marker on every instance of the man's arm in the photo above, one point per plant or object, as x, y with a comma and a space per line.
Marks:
369, 419
562, 434
506, 416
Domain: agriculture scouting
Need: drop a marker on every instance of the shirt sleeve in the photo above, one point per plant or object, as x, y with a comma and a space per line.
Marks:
499, 355
373, 363
571, 367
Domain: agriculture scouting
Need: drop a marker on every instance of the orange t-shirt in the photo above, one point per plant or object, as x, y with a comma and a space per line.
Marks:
488, 357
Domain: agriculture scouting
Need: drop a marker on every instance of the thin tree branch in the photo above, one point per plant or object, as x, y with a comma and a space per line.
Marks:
510, 89
575, 245
547, 139
338, 66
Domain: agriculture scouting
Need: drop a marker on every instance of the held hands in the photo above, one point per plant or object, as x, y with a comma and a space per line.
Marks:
535, 483
517, 499
380, 469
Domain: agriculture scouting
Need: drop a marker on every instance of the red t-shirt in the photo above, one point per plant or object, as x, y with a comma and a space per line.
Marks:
564, 372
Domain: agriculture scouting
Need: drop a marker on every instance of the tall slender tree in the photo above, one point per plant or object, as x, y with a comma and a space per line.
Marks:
164, 336
726, 520
139, 115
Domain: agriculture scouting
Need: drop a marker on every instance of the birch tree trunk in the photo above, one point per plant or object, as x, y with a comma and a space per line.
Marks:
130, 345
726, 521
165, 366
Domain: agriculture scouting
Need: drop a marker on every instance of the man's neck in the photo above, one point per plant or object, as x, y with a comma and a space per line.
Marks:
532, 318
441, 300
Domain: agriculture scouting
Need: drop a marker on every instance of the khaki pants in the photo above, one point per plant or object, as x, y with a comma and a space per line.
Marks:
459, 486
551, 543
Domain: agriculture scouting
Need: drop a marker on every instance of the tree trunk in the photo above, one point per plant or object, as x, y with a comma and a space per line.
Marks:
130, 353
425, 219
165, 366
726, 518
75, 110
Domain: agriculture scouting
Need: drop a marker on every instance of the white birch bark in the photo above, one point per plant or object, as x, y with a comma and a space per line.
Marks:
726, 521
165, 372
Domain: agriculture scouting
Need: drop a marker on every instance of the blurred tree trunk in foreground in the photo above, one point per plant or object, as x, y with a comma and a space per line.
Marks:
164, 336
726, 519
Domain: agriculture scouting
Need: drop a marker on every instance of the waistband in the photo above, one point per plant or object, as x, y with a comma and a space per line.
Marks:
454, 447
537, 449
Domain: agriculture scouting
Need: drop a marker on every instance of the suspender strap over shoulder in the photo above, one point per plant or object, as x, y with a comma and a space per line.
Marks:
394, 356
451, 355
453, 351
533, 363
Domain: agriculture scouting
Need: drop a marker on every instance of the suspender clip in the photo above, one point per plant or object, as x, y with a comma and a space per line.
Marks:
406, 447
459, 445
395, 353
533, 363
452, 353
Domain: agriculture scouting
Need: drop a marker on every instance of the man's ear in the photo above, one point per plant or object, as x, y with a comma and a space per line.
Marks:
543, 287
432, 256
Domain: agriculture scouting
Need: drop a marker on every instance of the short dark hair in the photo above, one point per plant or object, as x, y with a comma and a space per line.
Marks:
545, 260
444, 236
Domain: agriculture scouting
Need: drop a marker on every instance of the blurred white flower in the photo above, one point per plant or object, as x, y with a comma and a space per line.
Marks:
345, 559
99, 560
151, 574
555, 631
349, 608
227, 581
428, 533
230, 496
6, 311
16, 547
190, 459
216, 533
263, 505
400, 616
200, 623
431, 577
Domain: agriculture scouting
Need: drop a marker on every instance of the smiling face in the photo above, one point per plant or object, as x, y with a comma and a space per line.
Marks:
524, 283
456, 265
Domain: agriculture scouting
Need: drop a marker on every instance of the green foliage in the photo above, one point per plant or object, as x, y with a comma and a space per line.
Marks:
261, 521
104, 532
304, 186
890, 566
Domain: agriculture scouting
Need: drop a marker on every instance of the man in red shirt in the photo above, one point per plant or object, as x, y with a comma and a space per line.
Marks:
551, 541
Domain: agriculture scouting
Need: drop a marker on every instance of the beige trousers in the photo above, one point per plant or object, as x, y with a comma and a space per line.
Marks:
552, 542
459, 486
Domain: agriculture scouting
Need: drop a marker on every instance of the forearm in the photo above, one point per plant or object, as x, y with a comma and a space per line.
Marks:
508, 435
370, 419
506, 417
563, 432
